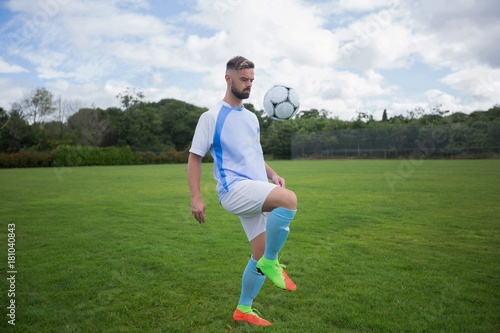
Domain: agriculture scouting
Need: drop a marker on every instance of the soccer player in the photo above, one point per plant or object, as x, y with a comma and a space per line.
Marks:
231, 134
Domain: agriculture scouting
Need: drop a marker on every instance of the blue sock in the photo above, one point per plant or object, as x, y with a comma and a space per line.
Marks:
277, 231
251, 283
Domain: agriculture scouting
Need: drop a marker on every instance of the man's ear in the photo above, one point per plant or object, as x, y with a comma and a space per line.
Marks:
228, 78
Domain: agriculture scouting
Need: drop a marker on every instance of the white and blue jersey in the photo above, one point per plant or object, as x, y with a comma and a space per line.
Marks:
232, 136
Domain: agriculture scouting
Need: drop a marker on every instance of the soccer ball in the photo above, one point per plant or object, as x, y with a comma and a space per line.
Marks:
281, 102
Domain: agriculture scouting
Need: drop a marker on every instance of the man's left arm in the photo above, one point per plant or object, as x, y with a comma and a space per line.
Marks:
274, 177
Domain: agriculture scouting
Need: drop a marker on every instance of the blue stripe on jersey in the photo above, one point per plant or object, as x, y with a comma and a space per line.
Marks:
221, 118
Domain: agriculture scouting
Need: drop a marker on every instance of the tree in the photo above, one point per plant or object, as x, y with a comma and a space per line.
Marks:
415, 114
130, 98
179, 120
384, 116
278, 140
364, 117
36, 105
4, 133
15, 132
63, 110
143, 127
89, 127
313, 113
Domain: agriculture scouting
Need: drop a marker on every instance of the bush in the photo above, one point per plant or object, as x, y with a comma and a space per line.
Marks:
26, 159
86, 155
66, 156
162, 158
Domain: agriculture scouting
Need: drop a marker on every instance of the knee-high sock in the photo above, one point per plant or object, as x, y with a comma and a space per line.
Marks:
277, 230
251, 283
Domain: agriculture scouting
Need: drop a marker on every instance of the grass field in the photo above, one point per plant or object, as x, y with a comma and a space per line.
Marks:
376, 246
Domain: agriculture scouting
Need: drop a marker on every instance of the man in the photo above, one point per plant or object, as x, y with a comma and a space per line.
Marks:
232, 136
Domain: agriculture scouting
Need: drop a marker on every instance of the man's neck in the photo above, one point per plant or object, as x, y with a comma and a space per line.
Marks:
234, 102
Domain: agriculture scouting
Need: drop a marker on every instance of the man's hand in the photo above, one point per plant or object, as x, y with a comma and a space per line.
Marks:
198, 210
194, 174
278, 180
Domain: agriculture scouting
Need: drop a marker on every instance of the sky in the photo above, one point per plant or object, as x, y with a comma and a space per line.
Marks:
343, 56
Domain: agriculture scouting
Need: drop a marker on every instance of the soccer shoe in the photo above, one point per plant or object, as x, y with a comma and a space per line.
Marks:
275, 272
251, 318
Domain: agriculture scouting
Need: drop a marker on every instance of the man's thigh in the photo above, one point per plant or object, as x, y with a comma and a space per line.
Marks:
247, 197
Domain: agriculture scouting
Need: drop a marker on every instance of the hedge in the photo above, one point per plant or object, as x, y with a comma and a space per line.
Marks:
87, 155
64, 156
26, 160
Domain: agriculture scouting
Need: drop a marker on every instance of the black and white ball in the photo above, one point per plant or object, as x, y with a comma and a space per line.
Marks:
281, 102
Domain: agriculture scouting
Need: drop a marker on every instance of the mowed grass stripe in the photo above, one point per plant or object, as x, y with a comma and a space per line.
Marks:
377, 246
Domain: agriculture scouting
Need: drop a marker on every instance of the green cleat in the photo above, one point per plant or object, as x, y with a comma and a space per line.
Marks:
275, 272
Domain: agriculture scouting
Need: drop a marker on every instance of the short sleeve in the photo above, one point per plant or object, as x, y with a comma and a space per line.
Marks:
203, 134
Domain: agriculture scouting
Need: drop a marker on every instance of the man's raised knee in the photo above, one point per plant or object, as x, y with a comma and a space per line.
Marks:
292, 201
280, 197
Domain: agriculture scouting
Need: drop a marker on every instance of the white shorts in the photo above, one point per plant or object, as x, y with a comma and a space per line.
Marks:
246, 199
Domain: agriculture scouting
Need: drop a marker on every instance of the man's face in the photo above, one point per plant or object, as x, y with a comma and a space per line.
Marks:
241, 83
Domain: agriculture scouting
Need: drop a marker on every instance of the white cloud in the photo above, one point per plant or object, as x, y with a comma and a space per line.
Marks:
332, 52
458, 35
480, 83
5, 67
377, 40
10, 92
268, 30
365, 5
444, 101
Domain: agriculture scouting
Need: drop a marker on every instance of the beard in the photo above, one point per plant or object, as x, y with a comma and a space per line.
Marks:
244, 94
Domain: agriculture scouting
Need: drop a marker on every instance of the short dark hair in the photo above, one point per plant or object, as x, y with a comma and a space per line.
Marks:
238, 63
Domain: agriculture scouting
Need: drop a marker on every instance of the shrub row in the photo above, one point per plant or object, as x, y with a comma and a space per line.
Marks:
87, 155
64, 156
161, 158
26, 160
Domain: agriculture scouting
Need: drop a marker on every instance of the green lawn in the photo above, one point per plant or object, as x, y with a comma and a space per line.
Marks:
376, 246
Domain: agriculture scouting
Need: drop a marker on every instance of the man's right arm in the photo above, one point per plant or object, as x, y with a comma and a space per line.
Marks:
194, 176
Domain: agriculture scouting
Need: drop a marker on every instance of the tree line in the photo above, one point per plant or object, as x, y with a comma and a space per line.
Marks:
39, 122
